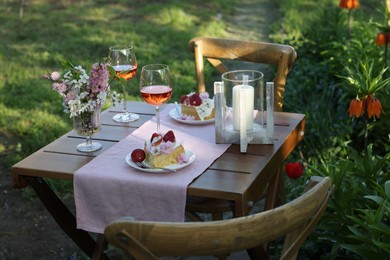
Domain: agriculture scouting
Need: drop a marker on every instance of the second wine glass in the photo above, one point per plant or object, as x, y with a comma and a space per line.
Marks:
122, 59
156, 86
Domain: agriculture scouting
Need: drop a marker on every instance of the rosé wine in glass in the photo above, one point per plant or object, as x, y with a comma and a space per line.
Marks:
156, 95
125, 72
122, 59
156, 86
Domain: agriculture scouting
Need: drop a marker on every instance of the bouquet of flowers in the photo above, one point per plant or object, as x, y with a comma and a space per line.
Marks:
82, 92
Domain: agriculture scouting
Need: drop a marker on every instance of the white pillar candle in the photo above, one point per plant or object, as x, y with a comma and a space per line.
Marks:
248, 93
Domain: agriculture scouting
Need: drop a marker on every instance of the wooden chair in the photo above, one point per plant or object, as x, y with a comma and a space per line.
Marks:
294, 220
218, 51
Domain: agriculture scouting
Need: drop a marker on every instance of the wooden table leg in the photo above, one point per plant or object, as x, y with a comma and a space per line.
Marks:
61, 214
100, 248
275, 189
273, 197
258, 253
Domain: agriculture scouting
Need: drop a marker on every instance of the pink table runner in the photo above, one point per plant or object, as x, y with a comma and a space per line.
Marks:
107, 188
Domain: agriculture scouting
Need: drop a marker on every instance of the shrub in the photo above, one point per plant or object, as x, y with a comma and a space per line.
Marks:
356, 223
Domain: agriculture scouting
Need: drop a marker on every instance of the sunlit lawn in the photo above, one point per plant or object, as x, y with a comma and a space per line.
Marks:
81, 31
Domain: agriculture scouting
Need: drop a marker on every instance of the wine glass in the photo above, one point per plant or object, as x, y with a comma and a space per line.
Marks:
156, 86
122, 59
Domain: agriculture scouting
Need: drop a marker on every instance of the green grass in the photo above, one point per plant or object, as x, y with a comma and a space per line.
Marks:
81, 31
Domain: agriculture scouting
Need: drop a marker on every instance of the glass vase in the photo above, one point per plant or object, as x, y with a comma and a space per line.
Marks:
87, 124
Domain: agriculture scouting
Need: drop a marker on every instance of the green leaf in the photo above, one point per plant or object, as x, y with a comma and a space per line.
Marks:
374, 198
387, 188
359, 236
362, 80
382, 228
67, 64
363, 250
384, 246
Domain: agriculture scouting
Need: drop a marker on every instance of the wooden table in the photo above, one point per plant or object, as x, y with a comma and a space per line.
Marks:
234, 176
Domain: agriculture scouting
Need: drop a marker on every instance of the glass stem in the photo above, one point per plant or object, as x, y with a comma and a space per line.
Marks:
88, 141
124, 99
158, 119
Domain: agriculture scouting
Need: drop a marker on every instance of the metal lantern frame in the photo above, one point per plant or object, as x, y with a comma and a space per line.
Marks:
235, 131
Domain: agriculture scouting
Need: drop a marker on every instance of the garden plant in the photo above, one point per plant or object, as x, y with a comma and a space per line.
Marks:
340, 62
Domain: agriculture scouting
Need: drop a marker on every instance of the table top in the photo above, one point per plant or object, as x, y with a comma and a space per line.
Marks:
233, 176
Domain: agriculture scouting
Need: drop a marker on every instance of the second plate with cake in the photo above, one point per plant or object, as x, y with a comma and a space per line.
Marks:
174, 114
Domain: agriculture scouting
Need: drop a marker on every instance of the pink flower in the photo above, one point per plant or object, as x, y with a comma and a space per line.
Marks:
98, 78
294, 170
60, 87
55, 75
204, 95
71, 95
182, 158
189, 118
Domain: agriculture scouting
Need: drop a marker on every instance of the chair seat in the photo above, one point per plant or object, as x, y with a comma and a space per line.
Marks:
215, 207
196, 207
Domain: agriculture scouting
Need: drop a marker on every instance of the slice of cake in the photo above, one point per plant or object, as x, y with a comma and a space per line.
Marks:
162, 151
197, 106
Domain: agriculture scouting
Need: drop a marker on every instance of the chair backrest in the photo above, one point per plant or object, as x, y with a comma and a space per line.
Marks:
215, 50
296, 220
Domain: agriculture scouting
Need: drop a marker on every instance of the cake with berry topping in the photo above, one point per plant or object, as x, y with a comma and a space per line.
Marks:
197, 106
163, 150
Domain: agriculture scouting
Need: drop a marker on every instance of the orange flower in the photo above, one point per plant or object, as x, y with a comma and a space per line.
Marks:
374, 107
356, 107
381, 38
349, 4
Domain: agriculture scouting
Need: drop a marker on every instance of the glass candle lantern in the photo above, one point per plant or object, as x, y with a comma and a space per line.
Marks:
244, 109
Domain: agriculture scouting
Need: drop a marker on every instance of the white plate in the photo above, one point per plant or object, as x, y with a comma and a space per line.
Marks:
176, 116
189, 155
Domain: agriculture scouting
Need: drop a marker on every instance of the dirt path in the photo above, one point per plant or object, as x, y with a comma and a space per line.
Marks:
252, 22
27, 231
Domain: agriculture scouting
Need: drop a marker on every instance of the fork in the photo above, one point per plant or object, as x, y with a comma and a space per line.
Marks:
144, 166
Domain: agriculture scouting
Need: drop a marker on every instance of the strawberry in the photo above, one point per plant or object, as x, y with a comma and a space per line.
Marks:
184, 99
156, 139
138, 155
154, 135
169, 136
195, 100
